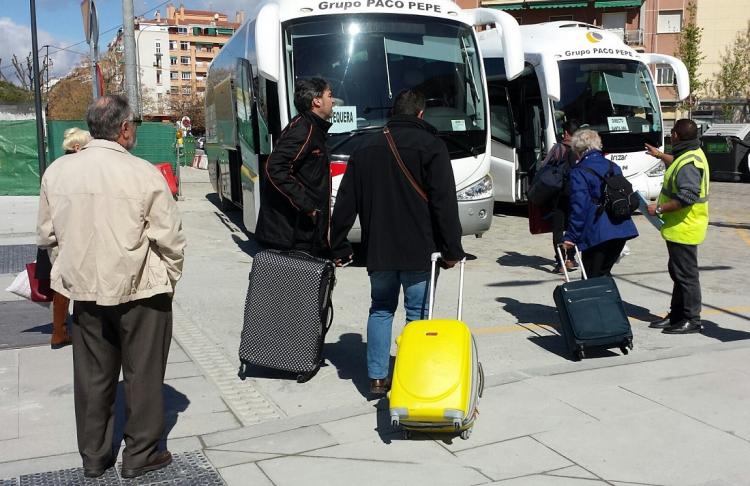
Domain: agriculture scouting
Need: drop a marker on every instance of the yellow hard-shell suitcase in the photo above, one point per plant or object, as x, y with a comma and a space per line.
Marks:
437, 380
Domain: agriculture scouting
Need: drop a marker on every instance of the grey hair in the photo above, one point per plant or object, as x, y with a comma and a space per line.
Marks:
106, 115
584, 140
75, 136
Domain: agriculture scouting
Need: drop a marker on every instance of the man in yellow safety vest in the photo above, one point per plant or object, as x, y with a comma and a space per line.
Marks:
683, 207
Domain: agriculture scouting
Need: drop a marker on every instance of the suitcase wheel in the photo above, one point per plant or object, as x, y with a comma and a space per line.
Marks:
626, 345
242, 373
406, 434
302, 378
481, 380
579, 354
465, 434
395, 422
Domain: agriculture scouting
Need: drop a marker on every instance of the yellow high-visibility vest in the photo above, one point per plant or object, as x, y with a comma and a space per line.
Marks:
687, 225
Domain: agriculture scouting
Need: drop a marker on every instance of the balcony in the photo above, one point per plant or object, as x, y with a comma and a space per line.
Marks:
632, 37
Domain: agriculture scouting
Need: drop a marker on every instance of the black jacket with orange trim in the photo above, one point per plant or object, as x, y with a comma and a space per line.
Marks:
294, 182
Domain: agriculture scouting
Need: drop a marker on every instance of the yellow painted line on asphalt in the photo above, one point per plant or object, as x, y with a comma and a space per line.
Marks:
744, 235
531, 327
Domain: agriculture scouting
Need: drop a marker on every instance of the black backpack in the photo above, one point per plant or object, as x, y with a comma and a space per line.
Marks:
618, 197
551, 180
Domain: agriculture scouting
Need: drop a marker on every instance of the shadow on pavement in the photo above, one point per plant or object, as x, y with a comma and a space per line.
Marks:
529, 313
174, 403
713, 330
556, 345
515, 259
349, 356
640, 313
722, 224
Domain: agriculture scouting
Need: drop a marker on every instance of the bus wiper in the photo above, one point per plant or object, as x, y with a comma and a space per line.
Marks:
352, 134
472, 83
456, 140
387, 68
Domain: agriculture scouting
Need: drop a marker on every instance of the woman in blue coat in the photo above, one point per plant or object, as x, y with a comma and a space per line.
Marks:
599, 239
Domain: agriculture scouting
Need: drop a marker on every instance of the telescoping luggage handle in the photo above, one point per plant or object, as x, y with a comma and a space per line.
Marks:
433, 283
578, 259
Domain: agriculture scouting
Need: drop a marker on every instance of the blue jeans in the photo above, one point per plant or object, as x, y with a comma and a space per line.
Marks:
384, 290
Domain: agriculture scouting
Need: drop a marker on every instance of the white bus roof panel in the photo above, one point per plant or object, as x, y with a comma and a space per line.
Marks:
564, 40
294, 9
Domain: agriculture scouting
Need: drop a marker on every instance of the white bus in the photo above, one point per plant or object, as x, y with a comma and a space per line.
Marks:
368, 50
581, 72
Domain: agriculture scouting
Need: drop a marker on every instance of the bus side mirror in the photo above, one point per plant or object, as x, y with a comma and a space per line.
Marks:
268, 42
680, 71
509, 36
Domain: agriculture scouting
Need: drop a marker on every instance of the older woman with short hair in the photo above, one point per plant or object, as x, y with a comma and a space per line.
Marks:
74, 139
599, 239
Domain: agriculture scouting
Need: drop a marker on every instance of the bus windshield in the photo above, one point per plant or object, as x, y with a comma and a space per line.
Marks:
369, 59
615, 97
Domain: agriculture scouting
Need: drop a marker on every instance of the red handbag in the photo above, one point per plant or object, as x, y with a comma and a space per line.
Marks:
40, 289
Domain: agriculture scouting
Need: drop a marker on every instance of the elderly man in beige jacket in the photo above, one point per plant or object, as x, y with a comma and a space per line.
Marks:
114, 227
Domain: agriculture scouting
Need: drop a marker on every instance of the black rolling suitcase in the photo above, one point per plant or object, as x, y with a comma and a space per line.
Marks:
288, 311
591, 313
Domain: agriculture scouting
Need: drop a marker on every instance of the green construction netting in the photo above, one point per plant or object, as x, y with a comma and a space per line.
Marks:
19, 166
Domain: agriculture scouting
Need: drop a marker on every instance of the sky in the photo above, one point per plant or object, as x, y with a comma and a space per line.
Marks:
59, 25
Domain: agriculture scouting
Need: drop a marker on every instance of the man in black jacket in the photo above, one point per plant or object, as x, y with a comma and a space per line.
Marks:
295, 202
406, 213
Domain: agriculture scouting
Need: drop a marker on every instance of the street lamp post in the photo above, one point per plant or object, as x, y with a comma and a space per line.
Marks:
37, 94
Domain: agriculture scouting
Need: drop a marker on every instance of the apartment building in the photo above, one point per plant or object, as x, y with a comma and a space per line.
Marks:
174, 52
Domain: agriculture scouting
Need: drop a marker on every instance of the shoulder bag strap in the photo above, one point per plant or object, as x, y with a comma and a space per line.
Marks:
401, 164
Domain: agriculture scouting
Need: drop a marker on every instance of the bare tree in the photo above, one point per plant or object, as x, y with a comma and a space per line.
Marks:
25, 70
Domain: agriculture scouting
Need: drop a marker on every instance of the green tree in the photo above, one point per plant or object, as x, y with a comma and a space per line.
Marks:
689, 51
732, 82
10, 93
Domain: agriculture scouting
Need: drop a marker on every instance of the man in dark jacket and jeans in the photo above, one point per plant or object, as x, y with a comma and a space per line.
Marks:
295, 200
406, 213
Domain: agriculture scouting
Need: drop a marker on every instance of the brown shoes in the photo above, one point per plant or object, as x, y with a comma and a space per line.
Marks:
162, 459
378, 387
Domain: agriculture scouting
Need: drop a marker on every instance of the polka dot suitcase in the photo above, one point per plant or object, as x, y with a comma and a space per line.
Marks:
288, 311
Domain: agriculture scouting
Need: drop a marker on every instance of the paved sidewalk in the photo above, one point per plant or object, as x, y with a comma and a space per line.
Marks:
680, 420
674, 412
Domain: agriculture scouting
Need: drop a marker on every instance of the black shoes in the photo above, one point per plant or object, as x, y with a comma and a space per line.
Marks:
162, 459
680, 326
684, 327
661, 323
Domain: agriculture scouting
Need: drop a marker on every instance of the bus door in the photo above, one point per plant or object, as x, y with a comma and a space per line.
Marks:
244, 168
529, 118
503, 142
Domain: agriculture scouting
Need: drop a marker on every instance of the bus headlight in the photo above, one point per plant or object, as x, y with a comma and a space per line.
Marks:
657, 170
481, 189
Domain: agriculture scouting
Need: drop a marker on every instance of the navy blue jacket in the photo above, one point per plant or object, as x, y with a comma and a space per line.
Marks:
586, 228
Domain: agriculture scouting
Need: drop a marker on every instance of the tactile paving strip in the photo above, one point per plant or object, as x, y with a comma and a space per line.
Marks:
13, 258
188, 468
248, 405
